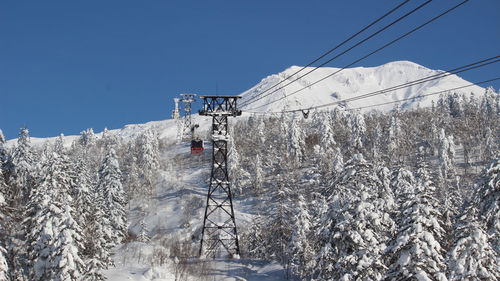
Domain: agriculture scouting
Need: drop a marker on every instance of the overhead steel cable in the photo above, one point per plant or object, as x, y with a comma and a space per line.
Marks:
335, 48
441, 75
419, 81
258, 97
425, 95
395, 101
368, 55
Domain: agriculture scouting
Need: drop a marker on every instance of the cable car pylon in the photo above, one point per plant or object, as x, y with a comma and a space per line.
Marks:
219, 225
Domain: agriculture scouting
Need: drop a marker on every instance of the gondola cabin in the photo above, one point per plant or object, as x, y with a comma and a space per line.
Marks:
197, 147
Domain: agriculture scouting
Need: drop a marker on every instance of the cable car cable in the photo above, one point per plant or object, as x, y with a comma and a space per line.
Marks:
344, 52
460, 69
368, 55
406, 99
425, 95
336, 47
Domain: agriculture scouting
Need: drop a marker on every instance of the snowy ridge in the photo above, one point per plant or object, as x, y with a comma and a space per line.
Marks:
352, 82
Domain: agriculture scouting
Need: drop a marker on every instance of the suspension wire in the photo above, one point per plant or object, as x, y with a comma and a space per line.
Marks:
441, 75
425, 95
334, 48
416, 83
344, 52
400, 100
368, 55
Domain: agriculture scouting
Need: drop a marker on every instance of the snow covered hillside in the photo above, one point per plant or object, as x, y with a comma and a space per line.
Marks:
352, 82
341, 195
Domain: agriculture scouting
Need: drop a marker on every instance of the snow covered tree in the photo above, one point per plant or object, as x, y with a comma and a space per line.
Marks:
132, 178
234, 167
488, 200
358, 129
111, 190
143, 232
66, 261
403, 185
87, 137
377, 143
489, 147
446, 155
98, 241
394, 139
278, 228
253, 240
107, 140
259, 175
20, 169
297, 141
472, 257
415, 252
337, 162
4, 267
301, 252
148, 161
355, 226
49, 215
3, 150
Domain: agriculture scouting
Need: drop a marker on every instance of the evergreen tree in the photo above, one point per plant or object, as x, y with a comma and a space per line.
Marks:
338, 162
20, 169
394, 139
148, 161
278, 227
3, 150
472, 257
297, 141
488, 200
66, 262
98, 240
234, 168
132, 178
49, 215
446, 155
403, 185
254, 239
301, 253
356, 227
113, 198
4, 267
143, 233
358, 129
87, 137
259, 175
415, 252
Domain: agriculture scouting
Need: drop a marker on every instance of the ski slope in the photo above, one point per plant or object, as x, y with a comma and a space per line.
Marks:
176, 213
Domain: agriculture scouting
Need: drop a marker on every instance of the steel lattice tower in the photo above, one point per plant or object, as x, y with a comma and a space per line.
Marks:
219, 225
187, 99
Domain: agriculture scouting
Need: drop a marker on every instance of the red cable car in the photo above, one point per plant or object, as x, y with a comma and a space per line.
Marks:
197, 147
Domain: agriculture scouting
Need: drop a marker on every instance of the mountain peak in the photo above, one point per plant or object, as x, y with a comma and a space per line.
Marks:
338, 85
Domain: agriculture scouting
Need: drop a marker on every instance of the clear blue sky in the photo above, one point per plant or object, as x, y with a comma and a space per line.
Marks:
70, 65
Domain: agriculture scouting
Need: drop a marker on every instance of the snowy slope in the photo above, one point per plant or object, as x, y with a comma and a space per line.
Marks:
175, 213
352, 82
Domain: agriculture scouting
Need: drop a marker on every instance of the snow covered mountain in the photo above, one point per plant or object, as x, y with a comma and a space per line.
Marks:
351, 82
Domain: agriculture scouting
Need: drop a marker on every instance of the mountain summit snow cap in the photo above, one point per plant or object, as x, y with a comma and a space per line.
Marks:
349, 83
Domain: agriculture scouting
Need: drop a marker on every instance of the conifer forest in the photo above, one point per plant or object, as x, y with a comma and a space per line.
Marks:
407, 194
